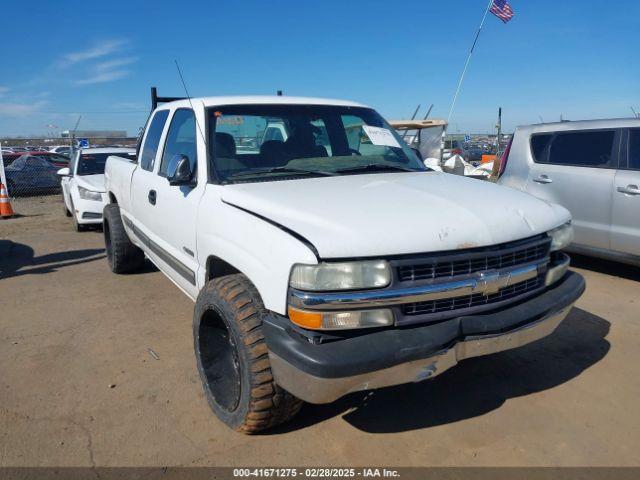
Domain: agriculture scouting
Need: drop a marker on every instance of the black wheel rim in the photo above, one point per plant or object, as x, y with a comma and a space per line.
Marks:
218, 357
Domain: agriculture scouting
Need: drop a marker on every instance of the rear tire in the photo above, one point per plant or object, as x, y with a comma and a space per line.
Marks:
233, 360
122, 255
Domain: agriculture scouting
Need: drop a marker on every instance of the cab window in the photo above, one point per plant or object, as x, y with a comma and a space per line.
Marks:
181, 140
154, 132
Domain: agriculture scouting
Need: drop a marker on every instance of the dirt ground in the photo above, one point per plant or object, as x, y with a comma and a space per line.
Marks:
79, 385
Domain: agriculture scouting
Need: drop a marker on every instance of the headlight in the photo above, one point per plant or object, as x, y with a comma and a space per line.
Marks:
89, 195
561, 237
341, 276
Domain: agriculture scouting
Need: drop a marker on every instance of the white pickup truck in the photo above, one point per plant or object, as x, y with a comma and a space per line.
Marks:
328, 262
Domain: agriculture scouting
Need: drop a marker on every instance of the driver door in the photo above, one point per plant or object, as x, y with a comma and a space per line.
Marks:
171, 217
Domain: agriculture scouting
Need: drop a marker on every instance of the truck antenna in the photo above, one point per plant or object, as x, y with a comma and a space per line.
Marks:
190, 104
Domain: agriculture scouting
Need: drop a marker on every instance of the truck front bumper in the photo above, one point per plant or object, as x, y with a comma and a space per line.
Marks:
322, 373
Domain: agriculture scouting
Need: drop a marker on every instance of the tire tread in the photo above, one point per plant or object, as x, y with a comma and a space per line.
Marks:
269, 404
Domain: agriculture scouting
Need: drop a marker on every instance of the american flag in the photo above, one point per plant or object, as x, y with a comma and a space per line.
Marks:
502, 10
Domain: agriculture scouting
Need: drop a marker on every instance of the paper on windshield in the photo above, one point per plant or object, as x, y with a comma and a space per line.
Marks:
380, 136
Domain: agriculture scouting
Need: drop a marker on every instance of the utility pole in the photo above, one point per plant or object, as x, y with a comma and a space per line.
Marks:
496, 161
499, 126
72, 137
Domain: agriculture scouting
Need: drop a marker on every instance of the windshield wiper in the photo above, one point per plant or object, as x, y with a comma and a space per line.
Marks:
300, 171
376, 167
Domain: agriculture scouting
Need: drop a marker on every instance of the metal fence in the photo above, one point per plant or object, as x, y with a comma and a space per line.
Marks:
28, 168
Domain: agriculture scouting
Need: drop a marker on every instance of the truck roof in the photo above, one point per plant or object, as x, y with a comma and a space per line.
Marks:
263, 100
581, 125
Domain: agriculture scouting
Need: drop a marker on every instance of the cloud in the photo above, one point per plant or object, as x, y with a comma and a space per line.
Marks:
118, 62
103, 77
108, 71
21, 109
97, 51
3, 90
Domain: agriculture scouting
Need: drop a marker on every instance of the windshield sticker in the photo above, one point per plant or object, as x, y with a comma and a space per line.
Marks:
380, 136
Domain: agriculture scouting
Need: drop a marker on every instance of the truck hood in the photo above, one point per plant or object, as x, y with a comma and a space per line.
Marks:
397, 213
91, 182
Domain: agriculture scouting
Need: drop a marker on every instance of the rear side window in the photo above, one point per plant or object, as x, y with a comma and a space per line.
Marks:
583, 149
538, 147
634, 149
154, 132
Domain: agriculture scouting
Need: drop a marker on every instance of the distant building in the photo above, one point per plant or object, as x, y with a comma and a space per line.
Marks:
95, 134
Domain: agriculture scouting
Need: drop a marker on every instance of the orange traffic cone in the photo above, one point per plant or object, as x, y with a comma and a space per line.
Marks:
5, 205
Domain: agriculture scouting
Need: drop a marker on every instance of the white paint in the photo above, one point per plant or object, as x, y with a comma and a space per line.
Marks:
604, 219
351, 216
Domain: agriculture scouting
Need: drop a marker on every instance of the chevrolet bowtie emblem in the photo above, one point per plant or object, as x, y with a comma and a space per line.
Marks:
491, 281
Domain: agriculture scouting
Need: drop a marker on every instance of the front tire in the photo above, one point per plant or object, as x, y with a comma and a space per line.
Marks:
232, 357
78, 227
123, 256
67, 213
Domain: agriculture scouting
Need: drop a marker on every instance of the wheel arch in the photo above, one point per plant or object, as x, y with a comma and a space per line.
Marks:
216, 267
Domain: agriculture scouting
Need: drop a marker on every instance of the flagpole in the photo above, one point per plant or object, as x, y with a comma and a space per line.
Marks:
475, 40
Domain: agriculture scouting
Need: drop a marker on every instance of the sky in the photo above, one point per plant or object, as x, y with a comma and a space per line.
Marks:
60, 60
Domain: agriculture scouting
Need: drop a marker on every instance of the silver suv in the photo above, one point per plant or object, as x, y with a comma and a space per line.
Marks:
593, 169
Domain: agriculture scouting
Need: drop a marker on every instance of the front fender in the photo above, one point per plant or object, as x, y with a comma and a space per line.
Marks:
258, 249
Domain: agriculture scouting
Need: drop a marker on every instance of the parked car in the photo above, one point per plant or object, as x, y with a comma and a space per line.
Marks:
313, 272
63, 149
29, 174
9, 157
55, 159
593, 169
475, 153
83, 191
454, 147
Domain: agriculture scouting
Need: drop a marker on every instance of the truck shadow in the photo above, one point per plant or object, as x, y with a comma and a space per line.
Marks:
18, 259
475, 386
622, 270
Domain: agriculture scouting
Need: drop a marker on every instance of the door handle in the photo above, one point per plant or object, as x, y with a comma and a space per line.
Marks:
152, 197
630, 190
542, 179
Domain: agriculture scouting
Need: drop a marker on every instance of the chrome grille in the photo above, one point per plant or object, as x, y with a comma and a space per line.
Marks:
477, 260
470, 301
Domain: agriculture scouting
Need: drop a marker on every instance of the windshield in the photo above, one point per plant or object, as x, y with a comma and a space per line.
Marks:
93, 163
256, 142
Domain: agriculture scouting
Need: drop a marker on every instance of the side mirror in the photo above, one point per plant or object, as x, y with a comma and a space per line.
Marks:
179, 170
64, 172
